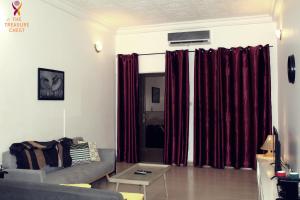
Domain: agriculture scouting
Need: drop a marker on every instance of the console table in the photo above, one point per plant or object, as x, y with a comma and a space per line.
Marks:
267, 189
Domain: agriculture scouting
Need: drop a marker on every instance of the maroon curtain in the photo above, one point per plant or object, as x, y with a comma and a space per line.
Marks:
232, 111
176, 107
128, 108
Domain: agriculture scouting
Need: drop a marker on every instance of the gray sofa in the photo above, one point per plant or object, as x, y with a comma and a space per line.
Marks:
83, 173
18, 190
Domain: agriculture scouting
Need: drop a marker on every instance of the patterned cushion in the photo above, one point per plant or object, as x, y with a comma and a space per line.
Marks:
80, 153
94, 152
94, 155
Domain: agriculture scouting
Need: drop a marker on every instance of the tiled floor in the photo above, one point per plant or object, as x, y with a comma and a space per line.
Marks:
190, 183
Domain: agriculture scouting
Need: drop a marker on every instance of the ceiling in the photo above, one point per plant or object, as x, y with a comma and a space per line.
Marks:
124, 13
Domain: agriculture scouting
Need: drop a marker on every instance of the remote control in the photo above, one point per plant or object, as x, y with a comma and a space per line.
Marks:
141, 170
140, 173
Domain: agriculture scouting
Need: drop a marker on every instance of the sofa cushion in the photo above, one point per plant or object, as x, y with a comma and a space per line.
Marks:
80, 173
9, 161
49, 169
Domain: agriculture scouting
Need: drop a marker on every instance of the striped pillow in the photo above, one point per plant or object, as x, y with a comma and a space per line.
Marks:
80, 153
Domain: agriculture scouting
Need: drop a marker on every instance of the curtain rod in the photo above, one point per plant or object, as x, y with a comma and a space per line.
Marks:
147, 54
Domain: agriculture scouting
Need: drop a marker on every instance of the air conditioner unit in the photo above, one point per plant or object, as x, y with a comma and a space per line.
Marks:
185, 38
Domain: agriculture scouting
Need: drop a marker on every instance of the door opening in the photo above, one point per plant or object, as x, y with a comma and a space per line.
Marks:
151, 99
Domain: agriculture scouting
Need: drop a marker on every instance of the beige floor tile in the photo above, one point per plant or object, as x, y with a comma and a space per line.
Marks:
191, 183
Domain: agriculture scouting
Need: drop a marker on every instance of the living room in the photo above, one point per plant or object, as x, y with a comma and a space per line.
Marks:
61, 35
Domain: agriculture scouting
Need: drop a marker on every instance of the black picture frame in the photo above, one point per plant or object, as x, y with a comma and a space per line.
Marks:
155, 95
51, 84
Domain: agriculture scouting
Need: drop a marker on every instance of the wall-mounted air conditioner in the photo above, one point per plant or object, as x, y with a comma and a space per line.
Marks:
185, 38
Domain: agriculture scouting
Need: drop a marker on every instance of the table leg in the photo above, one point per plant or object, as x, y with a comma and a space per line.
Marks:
144, 192
117, 187
165, 179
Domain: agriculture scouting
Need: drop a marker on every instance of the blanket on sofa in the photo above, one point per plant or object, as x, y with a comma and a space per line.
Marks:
36, 155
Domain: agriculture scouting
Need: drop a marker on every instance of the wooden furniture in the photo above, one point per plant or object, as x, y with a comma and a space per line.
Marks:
129, 177
267, 188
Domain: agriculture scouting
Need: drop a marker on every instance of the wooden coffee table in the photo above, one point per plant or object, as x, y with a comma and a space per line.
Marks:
129, 177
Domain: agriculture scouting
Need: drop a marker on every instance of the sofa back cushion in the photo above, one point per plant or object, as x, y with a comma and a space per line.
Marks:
9, 161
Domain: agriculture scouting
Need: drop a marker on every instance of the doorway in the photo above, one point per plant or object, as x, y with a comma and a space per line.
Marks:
151, 99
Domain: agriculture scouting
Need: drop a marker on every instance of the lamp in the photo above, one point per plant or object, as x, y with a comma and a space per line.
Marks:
268, 146
98, 46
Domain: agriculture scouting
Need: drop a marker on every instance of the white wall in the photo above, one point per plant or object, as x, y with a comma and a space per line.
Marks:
224, 33
287, 16
59, 41
158, 82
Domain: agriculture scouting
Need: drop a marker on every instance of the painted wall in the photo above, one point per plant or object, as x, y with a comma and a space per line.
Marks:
224, 33
158, 82
287, 16
55, 40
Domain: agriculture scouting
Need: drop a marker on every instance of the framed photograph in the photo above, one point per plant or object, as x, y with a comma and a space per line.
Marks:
155, 95
51, 84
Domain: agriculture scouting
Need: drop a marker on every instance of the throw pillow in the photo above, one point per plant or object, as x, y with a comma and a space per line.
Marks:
76, 140
80, 153
94, 155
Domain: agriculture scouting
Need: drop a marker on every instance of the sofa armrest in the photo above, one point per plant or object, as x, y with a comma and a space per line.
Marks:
108, 155
25, 175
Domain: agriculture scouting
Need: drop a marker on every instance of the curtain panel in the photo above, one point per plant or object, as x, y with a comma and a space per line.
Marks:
127, 125
232, 111
176, 107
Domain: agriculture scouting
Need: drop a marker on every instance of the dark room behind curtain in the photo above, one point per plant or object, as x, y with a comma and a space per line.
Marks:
232, 111
127, 125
